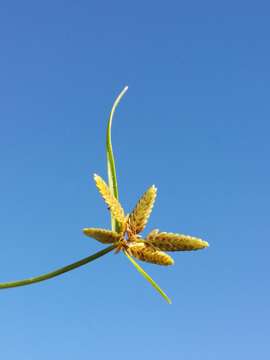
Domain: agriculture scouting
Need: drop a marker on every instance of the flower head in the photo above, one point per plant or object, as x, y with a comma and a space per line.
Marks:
127, 239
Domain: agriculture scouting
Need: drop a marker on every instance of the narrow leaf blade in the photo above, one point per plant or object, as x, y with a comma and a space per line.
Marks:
112, 179
148, 278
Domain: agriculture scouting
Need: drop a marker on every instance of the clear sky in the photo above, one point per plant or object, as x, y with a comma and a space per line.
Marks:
195, 122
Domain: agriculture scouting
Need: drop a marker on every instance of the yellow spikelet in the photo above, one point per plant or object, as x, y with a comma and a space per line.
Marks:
175, 242
102, 235
148, 253
139, 216
113, 204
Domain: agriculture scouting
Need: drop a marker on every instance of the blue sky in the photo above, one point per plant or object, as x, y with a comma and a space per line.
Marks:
195, 122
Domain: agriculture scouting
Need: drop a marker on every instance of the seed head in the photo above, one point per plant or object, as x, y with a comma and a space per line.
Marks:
175, 242
102, 235
140, 215
113, 204
148, 253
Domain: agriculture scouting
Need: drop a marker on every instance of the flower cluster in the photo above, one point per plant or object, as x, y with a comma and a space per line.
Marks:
151, 248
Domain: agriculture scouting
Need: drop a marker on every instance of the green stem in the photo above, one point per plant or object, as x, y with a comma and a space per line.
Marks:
112, 179
58, 271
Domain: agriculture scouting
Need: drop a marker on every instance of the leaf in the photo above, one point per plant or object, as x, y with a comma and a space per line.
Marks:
112, 179
57, 272
148, 278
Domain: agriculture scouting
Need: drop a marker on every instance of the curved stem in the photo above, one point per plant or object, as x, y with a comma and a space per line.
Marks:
112, 179
58, 271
